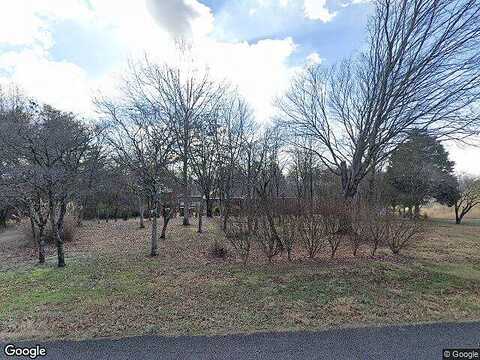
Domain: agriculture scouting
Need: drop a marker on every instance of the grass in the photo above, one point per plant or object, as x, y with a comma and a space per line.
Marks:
110, 288
437, 211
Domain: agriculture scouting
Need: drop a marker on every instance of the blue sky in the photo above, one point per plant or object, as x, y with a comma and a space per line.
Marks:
65, 51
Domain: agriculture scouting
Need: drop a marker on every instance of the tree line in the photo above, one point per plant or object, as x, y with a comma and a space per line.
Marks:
365, 134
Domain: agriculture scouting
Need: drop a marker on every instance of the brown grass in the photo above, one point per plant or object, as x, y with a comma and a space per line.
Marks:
437, 211
111, 288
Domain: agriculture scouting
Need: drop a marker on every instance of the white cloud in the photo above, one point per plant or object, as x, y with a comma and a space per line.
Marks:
62, 84
314, 58
181, 17
317, 10
259, 70
28, 22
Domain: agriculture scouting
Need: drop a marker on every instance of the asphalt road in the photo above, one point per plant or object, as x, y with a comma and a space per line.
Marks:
405, 342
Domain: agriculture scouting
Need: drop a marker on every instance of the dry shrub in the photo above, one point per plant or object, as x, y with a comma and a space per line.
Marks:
402, 232
240, 237
335, 215
361, 217
312, 231
383, 228
377, 230
289, 228
70, 228
268, 239
218, 251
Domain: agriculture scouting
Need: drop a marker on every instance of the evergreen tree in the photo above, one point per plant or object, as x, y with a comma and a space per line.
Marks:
420, 170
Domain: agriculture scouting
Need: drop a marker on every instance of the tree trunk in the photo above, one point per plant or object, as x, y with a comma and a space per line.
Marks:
41, 246
200, 216
80, 215
375, 247
417, 211
209, 205
60, 235
154, 250
55, 233
458, 219
3, 218
166, 219
186, 194
141, 210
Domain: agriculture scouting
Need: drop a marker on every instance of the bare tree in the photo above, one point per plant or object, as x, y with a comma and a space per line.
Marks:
236, 128
468, 199
185, 97
51, 146
421, 70
142, 142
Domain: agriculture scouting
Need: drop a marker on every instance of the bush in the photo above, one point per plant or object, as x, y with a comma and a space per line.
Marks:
312, 233
289, 227
401, 233
377, 230
268, 239
240, 237
360, 215
70, 228
218, 251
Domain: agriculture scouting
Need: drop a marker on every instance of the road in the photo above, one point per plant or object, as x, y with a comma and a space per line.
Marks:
416, 342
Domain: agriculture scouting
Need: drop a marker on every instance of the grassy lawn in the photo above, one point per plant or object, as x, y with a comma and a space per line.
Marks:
110, 288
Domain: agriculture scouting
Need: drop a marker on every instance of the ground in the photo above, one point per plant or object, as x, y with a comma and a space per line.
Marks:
111, 288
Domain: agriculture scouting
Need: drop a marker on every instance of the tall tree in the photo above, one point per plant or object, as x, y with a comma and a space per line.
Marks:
51, 146
185, 96
419, 170
142, 143
420, 69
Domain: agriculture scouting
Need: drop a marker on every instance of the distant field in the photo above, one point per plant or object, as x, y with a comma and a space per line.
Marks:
111, 288
437, 211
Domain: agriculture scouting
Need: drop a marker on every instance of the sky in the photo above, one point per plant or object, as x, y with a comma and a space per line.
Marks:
63, 52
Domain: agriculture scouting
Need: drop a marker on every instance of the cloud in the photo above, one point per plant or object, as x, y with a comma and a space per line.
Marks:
62, 84
314, 58
317, 10
260, 70
178, 16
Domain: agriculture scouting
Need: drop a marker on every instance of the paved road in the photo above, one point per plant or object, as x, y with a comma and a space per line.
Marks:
405, 342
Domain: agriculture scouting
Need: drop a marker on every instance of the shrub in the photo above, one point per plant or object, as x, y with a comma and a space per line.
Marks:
218, 251
402, 233
240, 237
360, 216
377, 229
268, 239
311, 229
70, 227
289, 226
